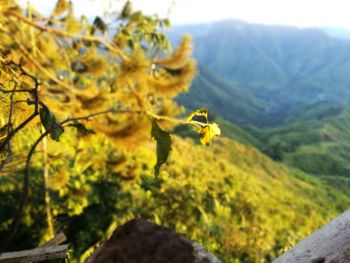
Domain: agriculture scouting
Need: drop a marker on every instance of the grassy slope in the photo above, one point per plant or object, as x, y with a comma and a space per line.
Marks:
277, 204
230, 198
227, 100
315, 139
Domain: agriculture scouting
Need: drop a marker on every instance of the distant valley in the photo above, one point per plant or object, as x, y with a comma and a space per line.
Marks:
287, 88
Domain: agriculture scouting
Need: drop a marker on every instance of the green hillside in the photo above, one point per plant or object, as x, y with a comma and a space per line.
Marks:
88, 136
285, 87
315, 139
225, 99
235, 201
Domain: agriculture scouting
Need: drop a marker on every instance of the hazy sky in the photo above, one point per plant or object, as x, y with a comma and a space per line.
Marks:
330, 13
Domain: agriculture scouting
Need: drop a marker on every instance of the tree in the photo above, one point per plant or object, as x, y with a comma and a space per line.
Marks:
62, 73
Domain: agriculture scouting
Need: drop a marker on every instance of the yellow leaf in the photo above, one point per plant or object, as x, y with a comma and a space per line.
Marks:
61, 6
208, 132
200, 112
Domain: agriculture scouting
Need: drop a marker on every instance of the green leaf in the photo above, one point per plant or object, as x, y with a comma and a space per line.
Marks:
100, 24
127, 10
163, 145
30, 101
56, 132
136, 16
82, 129
166, 23
207, 133
48, 120
131, 44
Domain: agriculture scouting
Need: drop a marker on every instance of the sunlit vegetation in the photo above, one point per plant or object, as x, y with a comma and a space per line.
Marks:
85, 138
230, 198
285, 87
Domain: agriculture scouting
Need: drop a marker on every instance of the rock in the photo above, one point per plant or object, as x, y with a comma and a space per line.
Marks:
139, 241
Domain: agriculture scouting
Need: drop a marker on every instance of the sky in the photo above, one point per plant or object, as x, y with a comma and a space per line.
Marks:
300, 13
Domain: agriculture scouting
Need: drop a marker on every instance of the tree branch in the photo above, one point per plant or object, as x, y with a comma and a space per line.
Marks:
9, 129
64, 33
24, 195
31, 117
25, 190
17, 90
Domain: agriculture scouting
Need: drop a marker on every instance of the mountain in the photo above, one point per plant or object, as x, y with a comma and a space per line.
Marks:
339, 33
285, 67
286, 89
218, 95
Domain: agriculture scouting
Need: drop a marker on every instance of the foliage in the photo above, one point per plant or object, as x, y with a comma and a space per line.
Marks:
101, 95
208, 131
314, 139
230, 198
284, 87
74, 74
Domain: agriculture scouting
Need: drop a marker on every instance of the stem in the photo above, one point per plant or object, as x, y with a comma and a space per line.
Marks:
9, 129
31, 117
17, 90
178, 121
24, 195
50, 228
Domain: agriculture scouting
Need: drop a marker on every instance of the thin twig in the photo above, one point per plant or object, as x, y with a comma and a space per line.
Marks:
87, 117
45, 71
64, 33
17, 90
9, 129
47, 199
25, 190
32, 116
24, 195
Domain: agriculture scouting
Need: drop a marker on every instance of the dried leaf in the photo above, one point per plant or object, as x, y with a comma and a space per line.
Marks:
208, 132
61, 6
202, 112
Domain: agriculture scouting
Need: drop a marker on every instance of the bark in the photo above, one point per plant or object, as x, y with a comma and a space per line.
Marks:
37, 254
330, 244
49, 250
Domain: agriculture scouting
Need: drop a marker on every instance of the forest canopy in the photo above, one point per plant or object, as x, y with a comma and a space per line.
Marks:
64, 72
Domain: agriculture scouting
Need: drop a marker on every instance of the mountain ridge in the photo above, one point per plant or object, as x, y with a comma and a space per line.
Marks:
288, 88
279, 64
